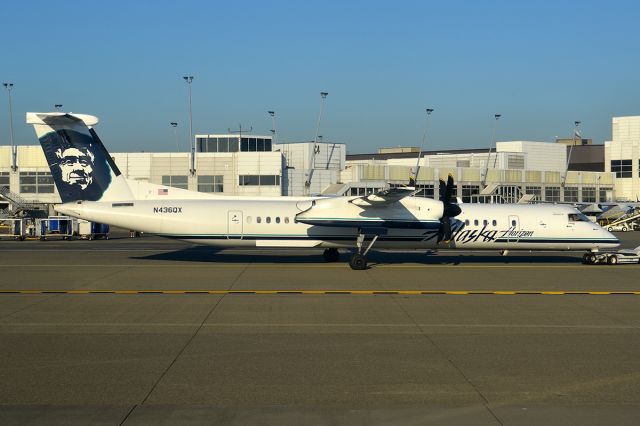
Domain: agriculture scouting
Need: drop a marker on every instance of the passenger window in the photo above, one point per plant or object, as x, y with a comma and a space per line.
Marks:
475, 222
268, 219
466, 222
286, 220
513, 222
278, 219
258, 219
485, 222
248, 219
494, 222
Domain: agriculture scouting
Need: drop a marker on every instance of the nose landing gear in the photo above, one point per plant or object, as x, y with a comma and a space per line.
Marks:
358, 260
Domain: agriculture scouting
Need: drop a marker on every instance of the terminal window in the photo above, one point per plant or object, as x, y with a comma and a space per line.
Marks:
589, 194
36, 183
571, 194
424, 191
364, 191
255, 144
233, 144
515, 161
552, 194
221, 144
4, 179
468, 191
210, 183
534, 190
605, 194
262, 180
176, 181
622, 168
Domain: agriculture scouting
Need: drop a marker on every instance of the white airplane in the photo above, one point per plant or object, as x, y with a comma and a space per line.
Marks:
91, 187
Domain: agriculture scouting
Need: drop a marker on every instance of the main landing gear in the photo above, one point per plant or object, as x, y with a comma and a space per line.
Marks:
331, 255
358, 260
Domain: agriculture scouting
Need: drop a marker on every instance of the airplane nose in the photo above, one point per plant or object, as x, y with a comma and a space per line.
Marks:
614, 241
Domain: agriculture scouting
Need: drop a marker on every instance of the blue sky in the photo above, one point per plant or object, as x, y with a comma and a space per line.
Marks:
541, 64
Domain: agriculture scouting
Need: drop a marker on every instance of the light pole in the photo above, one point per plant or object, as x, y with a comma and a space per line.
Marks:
307, 184
175, 133
192, 170
576, 134
413, 180
323, 96
274, 131
9, 87
493, 138
493, 142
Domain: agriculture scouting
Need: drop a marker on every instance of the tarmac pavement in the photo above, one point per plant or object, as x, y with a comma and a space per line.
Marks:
313, 358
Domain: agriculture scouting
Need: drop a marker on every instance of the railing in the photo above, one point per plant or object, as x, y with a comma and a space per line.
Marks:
17, 200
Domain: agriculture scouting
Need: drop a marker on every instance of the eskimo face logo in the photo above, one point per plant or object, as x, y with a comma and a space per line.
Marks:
76, 166
79, 164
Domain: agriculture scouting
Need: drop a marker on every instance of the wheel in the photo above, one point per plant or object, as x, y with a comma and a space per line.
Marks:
331, 255
591, 258
612, 260
610, 229
358, 262
624, 229
585, 258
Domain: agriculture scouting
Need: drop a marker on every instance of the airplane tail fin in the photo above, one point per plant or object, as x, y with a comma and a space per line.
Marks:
81, 167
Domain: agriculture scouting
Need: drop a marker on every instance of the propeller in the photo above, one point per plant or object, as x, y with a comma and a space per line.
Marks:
449, 209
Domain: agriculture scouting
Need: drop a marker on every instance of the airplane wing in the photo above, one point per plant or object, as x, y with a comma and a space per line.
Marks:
380, 211
384, 197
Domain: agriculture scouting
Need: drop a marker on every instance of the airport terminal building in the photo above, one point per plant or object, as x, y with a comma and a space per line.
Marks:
513, 170
622, 156
254, 165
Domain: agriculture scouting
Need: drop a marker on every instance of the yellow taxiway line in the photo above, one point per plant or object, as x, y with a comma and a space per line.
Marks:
331, 292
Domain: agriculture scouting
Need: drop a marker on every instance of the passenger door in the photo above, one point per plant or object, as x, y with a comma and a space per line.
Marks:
234, 225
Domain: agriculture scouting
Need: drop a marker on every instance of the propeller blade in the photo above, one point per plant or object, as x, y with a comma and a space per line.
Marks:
441, 190
449, 190
446, 228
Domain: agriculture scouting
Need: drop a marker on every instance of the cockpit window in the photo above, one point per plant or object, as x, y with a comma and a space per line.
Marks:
578, 217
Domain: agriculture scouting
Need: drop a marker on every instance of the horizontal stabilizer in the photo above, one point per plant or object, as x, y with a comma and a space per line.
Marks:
81, 167
60, 118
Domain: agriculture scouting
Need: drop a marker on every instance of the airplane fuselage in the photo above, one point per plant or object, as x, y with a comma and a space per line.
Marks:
297, 222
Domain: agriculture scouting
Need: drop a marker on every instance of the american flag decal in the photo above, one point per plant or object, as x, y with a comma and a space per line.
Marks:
163, 191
